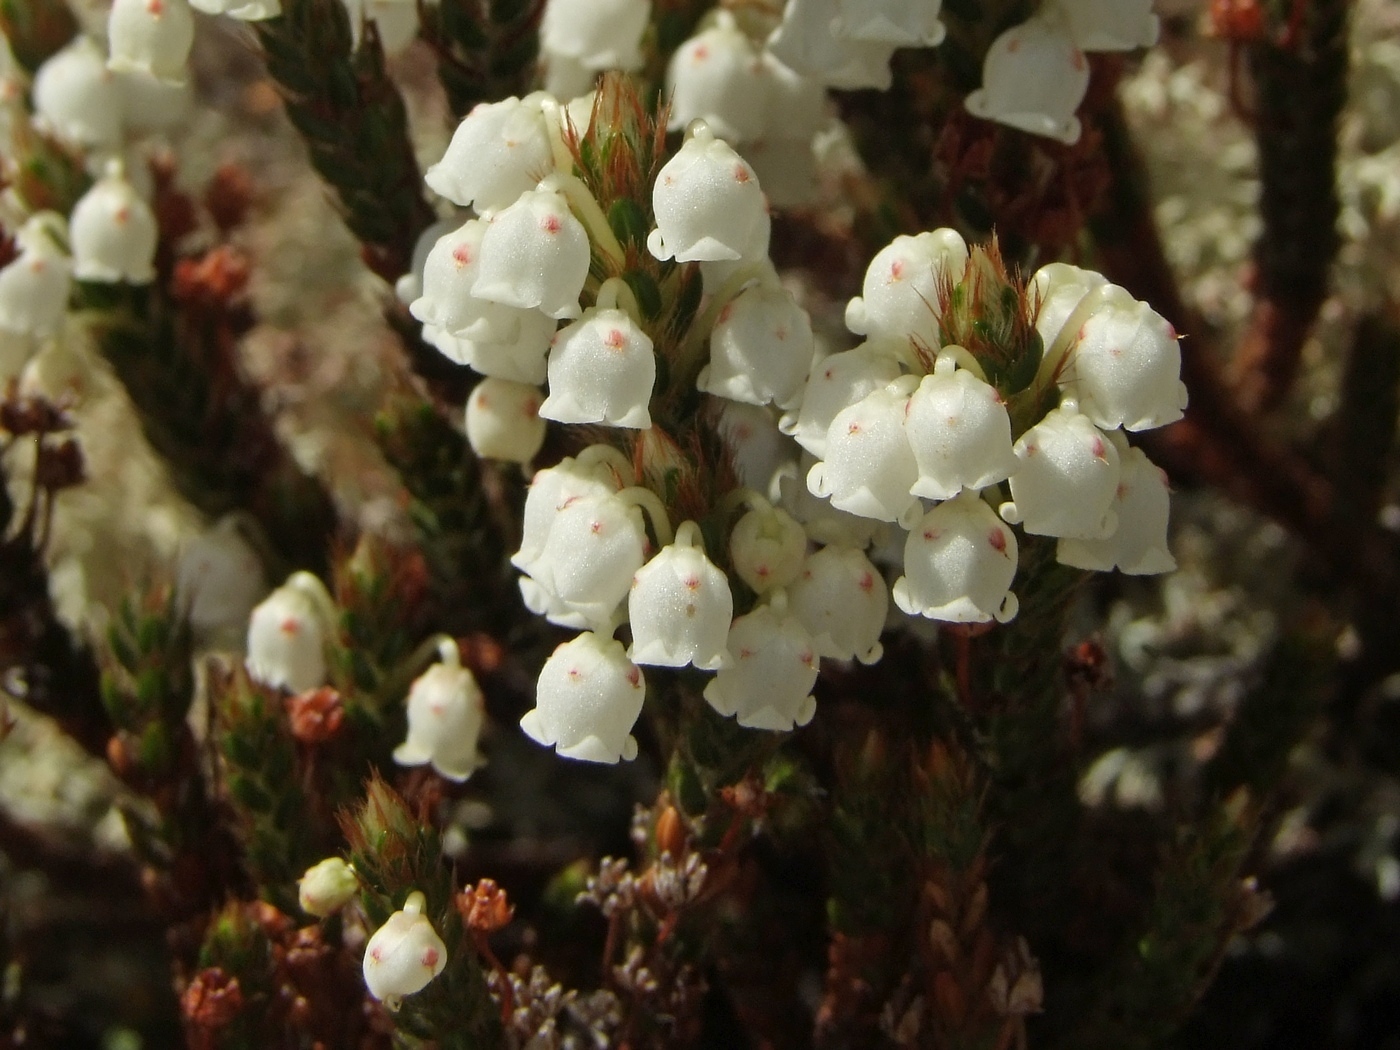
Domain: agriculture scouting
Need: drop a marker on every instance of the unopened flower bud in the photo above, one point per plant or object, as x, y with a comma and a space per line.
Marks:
445, 715
767, 547
959, 561
151, 37
503, 421
113, 232
327, 887
588, 698
404, 954
708, 203
680, 607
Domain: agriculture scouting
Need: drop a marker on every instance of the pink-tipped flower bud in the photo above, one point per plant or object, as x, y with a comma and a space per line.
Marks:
327, 887
503, 421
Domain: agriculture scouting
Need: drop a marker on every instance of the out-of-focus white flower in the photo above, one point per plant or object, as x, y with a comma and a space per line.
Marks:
959, 561
503, 420
959, 431
756, 447
796, 107
805, 42
499, 151
587, 700
787, 170
535, 254
897, 22
287, 635
680, 607
219, 579
1034, 78
396, 21
151, 37
717, 76
445, 715
708, 204
1066, 480
76, 96
327, 887
769, 683
760, 349
596, 34
601, 370
34, 286
766, 547
842, 600
1111, 25
113, 232
835, 383
1142, 503
404, 954
153, 105
868, 467
899, 299
243, 10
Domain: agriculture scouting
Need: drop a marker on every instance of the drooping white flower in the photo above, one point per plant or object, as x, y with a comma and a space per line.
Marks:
219, 580
445, 714
959, 561
959, 431
587, 700
243, 10
843, 601
499, 151
594, 547
535, 254
835, 383
1111, 25
151, 37
410, 285
769, 683
597, 34
896, 22
805, 42
1142, 503
505, 342
599, 470
680, 607
766, 547
76, 97
287, 635
1034, 78
899, 299
1067, 477
1059, 289
450, 268
35, 285
1124, 367
868, 467
404, 954
707, 203
113, 232
823, 522
327, 887
760, 349
503, 420
756, 447
601, 370
717, 76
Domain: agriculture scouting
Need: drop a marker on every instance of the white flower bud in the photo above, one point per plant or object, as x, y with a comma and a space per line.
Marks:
1111, 25
761, 349
1068, 474
1058, 289
1034, 78
842, 600
287, 635
327, 887
1142, 502
535, 253
769, 684
717, 76
404, 954
767, 547
445, 714
34, 287
597, 34
219, 580
959, 561
503, 421
796, 107
805, 42
76, 96
151, 37
1124, 367
708, 204
595, 546
243, 10
891, 21
899, 299
601, 370
960, 432
835, 383
868, 467
499, 151
599, 470
113, 232
756, 447
680, 607
587, 700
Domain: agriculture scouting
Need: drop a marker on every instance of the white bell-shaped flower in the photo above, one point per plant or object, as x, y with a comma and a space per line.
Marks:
1125, 366
242, 10
959, 561
834, 384
499, 151
1111, 25
410, 286
506, 342
601, 369
1058, 289
1034, 78
774, 665
717, 76
869, 468
219, 580
895, 22
960, 432
450, 268
899, 299
535, 254
598, 34
805, 42
503, 420
708, 204
588, 698
445, 714
113, 232
796, 107
1066, 480
767, 547
35, 285
757, 449
327, 887
599, 470
404, 954
151, 37
823, 522
1142, 502
760, 349
287, 635
76, 97
680, 607
595, 546
843, 601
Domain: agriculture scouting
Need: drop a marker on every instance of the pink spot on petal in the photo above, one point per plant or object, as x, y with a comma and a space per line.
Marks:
550, 224
866, 582
290, 626
997, 539
741, 173
897, 270
430, 957
1097, 448
634, 676
616, 339
462, 255
692, 583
